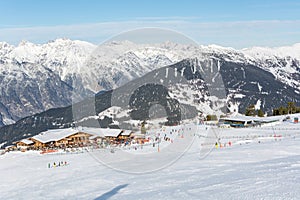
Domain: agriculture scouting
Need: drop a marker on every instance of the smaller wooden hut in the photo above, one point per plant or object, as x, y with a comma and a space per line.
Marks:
24, 144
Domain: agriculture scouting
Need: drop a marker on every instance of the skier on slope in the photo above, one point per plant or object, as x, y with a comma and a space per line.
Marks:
216, 145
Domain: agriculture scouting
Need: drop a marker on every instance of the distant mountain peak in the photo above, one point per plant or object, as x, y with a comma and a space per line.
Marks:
63, 63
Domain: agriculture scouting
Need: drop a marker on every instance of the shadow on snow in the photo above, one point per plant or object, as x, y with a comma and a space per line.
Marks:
111, 193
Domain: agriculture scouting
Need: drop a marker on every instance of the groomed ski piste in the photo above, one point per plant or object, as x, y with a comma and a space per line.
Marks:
190, 161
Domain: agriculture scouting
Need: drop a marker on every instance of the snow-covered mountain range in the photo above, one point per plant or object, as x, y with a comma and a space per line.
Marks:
34, 77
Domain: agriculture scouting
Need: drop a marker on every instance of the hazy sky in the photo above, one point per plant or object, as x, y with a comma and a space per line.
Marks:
237, 24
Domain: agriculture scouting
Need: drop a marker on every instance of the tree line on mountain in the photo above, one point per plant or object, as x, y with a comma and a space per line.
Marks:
251, 111
290, 108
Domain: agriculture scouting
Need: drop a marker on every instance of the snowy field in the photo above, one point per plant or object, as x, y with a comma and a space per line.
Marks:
262, 167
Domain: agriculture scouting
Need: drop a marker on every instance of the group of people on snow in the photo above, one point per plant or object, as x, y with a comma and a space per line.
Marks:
58, 164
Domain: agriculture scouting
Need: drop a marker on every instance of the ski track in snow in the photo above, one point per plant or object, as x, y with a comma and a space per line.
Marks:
266, 170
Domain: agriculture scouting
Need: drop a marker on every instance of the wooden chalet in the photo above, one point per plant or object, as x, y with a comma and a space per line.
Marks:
10, 148
125, 135
61, 138
70, 137
108, 136
24, 144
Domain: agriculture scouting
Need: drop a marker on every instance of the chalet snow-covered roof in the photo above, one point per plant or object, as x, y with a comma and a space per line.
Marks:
94, 137
58, 134
126, 132
55, 135
138, 135
102, 132
26, 141
9, 146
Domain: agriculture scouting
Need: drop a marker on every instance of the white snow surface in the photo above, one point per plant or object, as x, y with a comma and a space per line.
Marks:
258, 104
267, 52
268, 169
